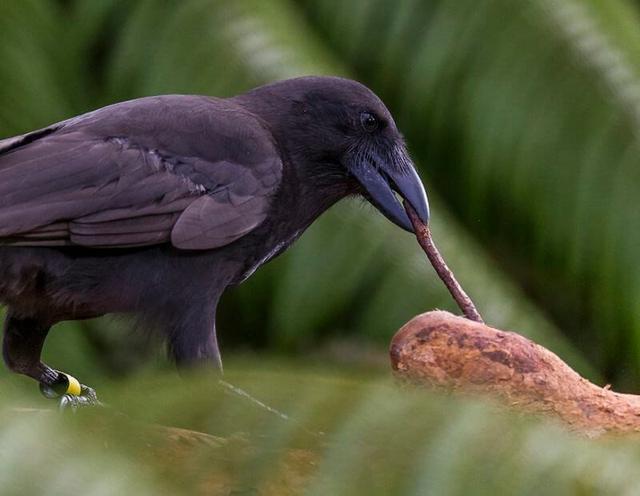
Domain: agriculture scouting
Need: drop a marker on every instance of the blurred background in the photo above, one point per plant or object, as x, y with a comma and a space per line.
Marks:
523, 117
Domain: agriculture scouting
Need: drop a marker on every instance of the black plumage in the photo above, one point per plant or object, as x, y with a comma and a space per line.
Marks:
155, 206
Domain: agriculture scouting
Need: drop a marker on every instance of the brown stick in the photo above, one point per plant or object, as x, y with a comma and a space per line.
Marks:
438, 349
423, 234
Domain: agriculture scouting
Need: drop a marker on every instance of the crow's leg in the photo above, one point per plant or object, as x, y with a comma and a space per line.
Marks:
193, 343
21, 349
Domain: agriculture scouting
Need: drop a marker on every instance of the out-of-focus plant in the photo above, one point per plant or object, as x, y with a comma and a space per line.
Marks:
345, 435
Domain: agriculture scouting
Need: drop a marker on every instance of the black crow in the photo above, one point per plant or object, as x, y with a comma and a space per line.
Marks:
154, 206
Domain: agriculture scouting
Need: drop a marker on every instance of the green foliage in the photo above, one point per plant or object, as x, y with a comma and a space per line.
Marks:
345, 434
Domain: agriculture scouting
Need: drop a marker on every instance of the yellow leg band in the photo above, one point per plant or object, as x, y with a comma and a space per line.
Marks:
74, 386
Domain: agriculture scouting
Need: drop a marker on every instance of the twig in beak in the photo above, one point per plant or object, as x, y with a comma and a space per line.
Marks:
423, 234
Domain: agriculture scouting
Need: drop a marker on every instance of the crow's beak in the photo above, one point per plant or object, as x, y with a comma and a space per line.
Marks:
380, 186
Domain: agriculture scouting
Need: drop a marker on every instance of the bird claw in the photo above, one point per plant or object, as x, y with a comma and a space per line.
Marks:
70, 393
72, 402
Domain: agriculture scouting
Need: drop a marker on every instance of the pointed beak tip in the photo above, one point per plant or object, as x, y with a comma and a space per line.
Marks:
423, 214
416, 197
380, 188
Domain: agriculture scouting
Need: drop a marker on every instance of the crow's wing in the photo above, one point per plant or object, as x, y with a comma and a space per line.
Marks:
194, 171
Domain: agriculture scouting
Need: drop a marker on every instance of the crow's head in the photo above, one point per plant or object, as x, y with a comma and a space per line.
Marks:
346, 133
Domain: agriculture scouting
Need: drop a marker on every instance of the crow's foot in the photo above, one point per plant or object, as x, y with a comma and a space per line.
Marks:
69, 392
87, 397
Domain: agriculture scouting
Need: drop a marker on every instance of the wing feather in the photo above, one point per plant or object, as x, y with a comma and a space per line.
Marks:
100, 181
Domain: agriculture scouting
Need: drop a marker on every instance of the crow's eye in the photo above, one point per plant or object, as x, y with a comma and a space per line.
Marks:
368, 121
